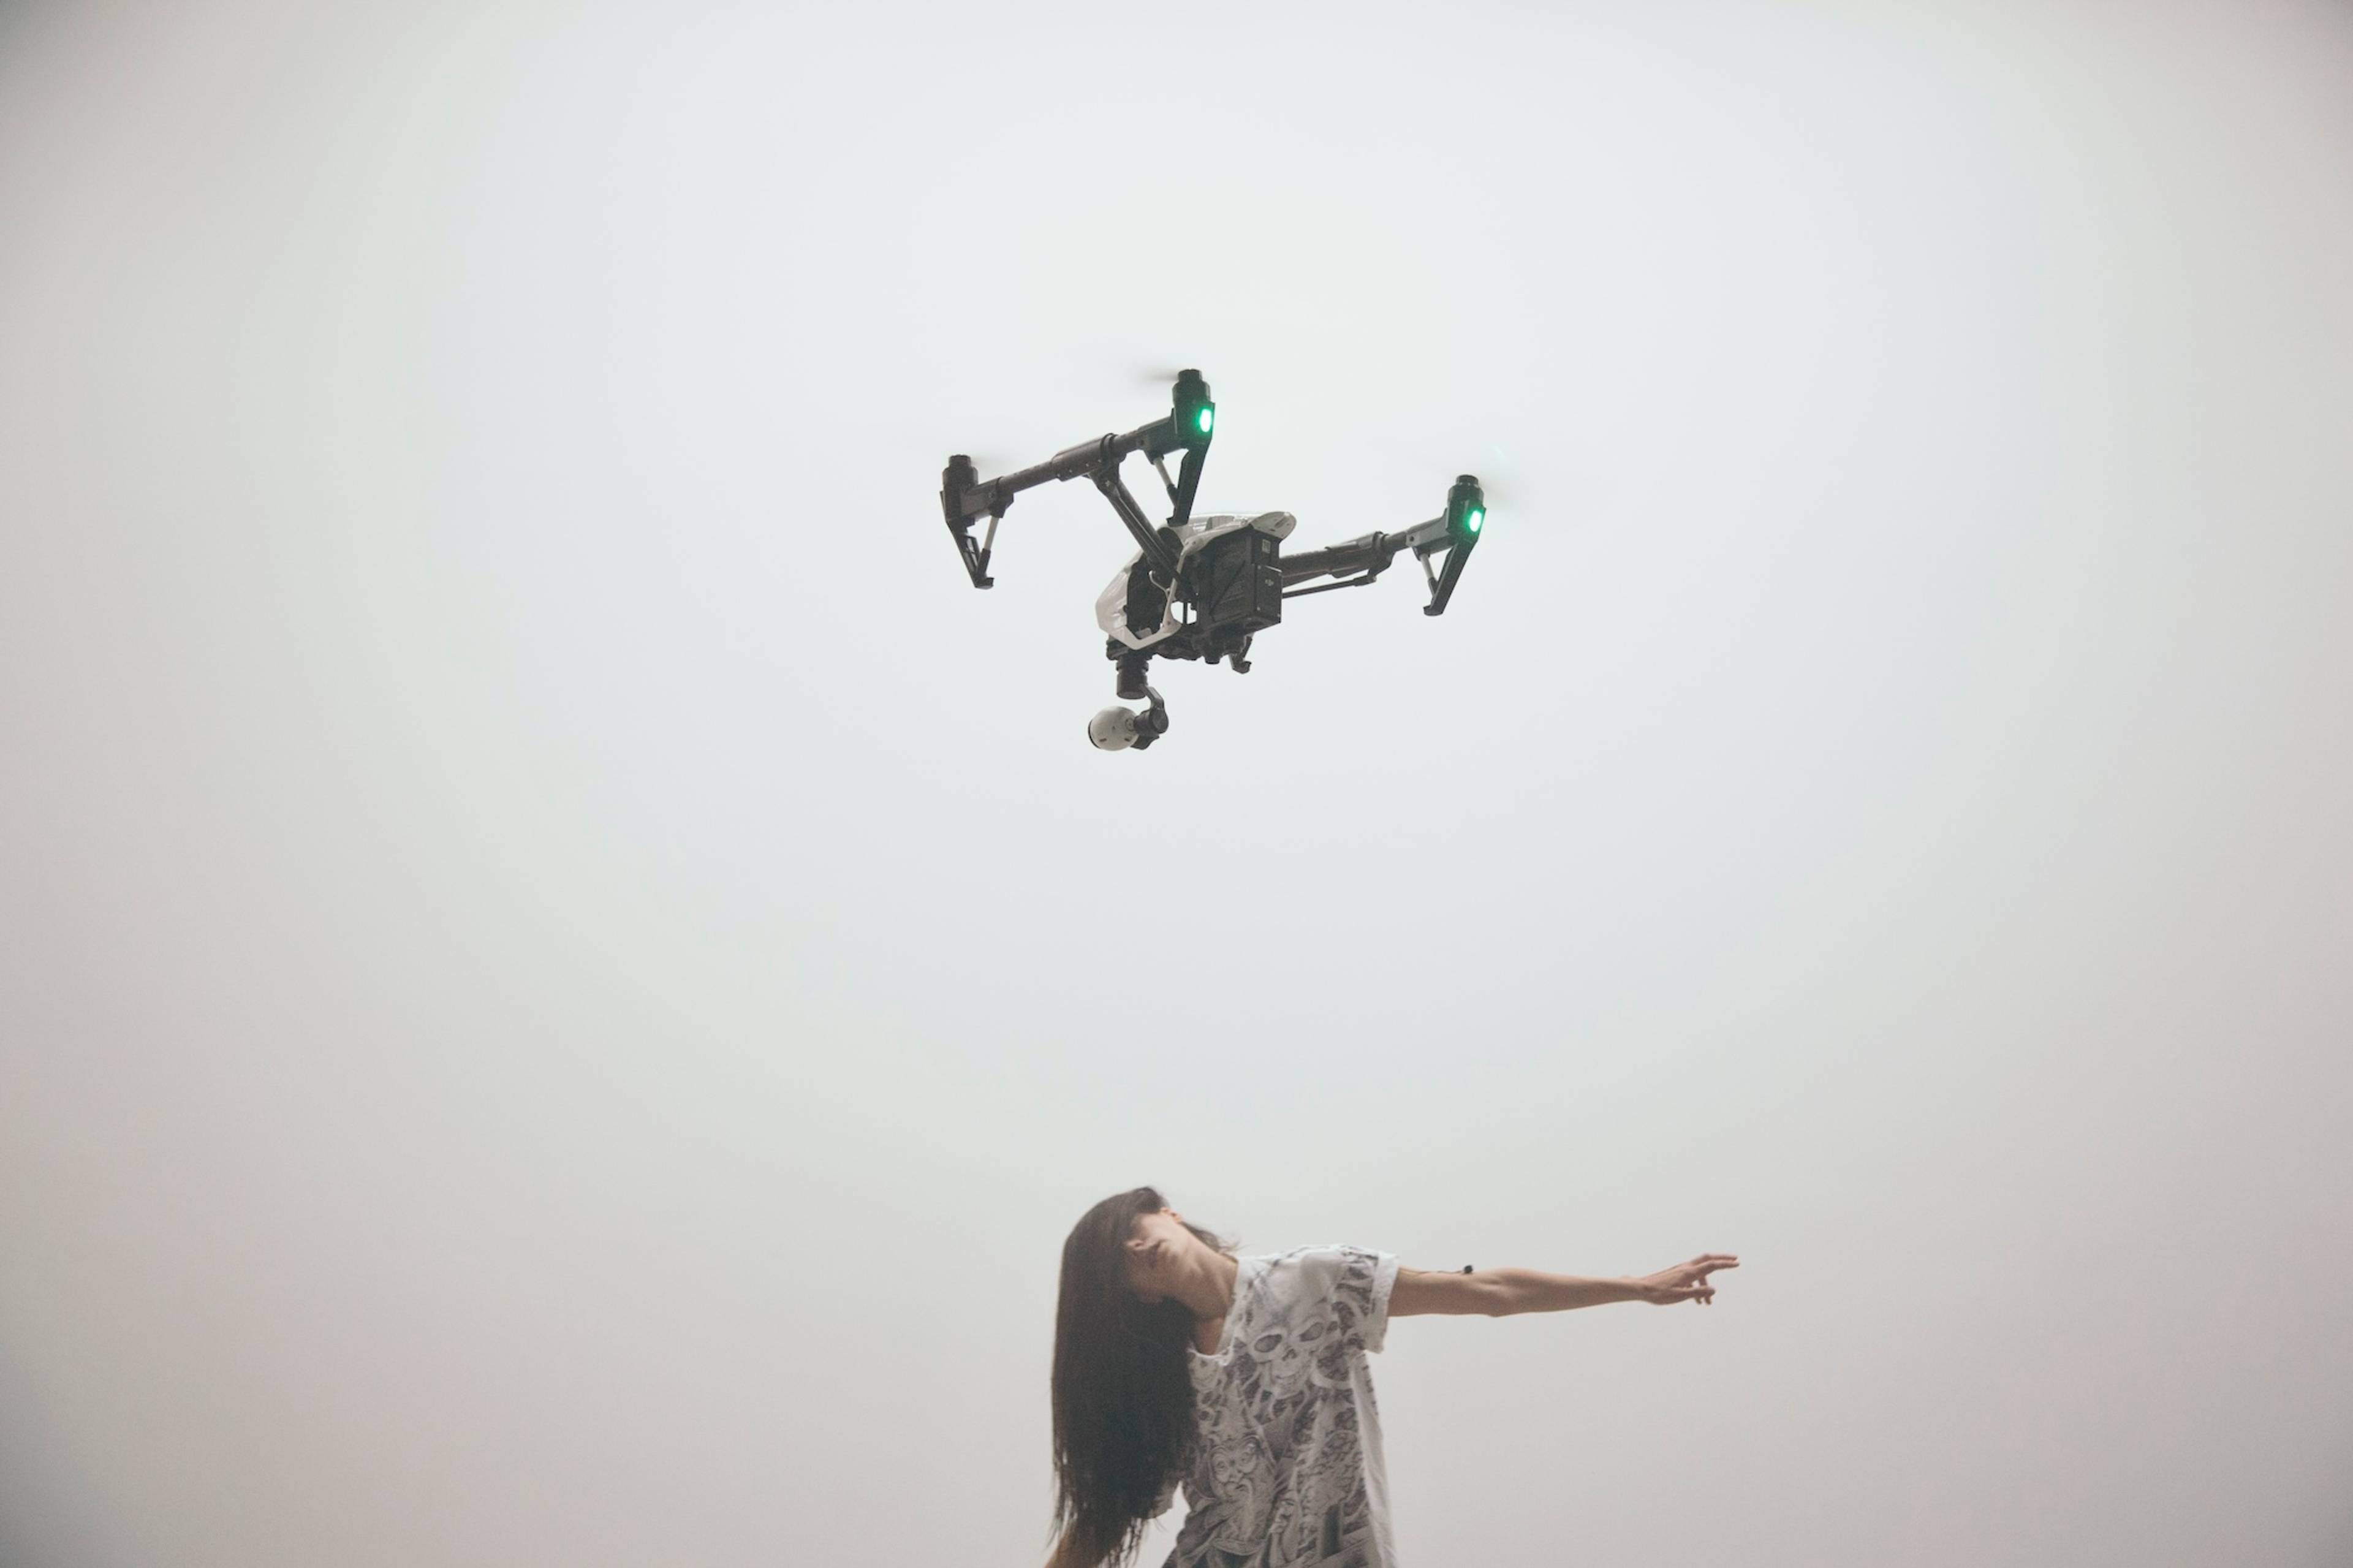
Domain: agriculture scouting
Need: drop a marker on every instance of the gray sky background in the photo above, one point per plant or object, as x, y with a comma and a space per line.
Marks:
565, 976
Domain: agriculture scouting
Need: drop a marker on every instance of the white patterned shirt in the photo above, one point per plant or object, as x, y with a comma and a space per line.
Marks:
1287, 1469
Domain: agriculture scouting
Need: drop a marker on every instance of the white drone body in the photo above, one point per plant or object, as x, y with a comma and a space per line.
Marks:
1110, 607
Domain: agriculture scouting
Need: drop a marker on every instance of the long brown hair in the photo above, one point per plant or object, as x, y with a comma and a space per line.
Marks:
1123, 1390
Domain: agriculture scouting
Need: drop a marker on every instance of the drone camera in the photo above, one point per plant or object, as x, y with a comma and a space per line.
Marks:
1117, 729
1112, 730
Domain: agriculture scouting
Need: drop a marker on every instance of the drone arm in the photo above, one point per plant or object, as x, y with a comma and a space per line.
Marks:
965, 497
1086, 457
1370, 554
1156, 548
1188, 479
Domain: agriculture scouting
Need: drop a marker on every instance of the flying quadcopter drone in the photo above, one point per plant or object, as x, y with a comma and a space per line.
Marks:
1198, 587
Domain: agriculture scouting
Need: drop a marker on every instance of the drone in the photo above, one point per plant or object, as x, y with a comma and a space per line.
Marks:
1198, 587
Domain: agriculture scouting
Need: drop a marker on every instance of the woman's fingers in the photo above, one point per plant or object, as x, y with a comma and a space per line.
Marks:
1688, 1281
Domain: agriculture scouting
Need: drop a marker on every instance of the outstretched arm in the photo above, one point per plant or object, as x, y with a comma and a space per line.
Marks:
1502, 1292
1525, 1291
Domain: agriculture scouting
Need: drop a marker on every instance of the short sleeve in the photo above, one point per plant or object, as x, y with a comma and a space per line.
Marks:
1353, 1282
1373, 1330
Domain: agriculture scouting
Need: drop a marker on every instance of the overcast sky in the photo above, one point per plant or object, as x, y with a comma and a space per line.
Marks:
565, 976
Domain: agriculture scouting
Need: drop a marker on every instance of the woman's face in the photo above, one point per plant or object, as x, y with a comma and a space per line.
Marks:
1161, 1255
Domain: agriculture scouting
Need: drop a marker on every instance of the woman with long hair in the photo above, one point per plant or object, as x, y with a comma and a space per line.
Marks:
1175, 1359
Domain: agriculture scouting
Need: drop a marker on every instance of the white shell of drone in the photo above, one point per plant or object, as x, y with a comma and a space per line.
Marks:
1110, 607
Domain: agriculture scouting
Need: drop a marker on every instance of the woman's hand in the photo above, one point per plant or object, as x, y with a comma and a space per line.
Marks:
1685, 1281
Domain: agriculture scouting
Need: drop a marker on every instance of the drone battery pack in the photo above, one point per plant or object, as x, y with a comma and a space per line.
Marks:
1241, 583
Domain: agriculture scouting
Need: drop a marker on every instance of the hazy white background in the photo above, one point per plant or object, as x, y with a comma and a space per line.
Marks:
565, 976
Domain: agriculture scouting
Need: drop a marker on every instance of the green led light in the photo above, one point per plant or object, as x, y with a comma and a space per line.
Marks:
1208, 417
1473, 518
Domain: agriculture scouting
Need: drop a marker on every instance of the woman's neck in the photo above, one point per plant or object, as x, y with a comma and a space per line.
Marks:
1210, 1294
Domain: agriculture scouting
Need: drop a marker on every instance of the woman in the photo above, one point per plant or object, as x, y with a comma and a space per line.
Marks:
1245, 1377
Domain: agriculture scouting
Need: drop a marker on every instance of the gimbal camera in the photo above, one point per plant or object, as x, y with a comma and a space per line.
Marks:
1198, 587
